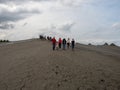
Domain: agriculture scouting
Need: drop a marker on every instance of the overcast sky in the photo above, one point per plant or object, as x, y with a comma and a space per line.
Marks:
94, 21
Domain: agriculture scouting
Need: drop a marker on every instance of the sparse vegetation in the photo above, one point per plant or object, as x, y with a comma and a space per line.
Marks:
89, 44
42, 37
3, 41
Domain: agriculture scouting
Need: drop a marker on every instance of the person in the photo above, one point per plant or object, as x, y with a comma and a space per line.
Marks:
68, 43
64, 43
57, 45
54, 43
73, 44
60, 42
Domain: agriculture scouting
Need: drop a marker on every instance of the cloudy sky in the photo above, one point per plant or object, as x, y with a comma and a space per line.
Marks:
95, 21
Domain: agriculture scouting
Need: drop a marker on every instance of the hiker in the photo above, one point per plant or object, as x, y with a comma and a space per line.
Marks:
68, 43
57, 45
54, 43
60, 42
64, 43
73, 44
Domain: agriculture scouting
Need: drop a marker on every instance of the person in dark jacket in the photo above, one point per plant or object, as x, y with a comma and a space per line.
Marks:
73, 44
64, 43
68, 43
54, 43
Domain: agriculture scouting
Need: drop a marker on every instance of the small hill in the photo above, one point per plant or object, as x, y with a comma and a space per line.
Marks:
112, 44
106, 44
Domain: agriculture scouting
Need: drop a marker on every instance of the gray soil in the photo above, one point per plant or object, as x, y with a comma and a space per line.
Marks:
32, 65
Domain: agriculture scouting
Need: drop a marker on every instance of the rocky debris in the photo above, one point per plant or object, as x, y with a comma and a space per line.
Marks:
112, 44
106, 44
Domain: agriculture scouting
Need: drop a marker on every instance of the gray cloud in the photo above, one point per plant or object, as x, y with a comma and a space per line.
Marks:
25, 24
22, 1
6, 26
63, 2
61, 30
67, 27
7, 15
19, 12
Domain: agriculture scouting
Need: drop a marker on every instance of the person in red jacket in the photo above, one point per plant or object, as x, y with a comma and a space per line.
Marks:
54, 43
60, 42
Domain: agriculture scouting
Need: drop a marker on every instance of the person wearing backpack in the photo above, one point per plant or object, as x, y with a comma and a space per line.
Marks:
64, 43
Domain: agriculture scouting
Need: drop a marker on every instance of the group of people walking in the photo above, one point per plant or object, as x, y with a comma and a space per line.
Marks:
63, 43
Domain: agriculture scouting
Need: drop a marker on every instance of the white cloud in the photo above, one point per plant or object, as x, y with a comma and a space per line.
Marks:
57, 30
74, 2
2, 36
116, 26
109, 34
